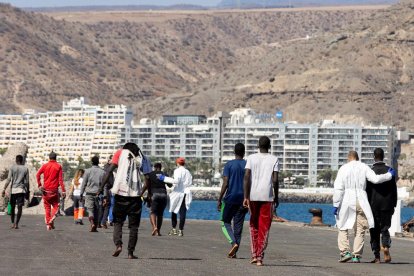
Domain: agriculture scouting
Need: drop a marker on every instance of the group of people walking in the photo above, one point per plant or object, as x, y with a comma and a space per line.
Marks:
364, 198
249, 185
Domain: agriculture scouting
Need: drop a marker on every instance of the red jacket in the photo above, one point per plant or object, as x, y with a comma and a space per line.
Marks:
52, 176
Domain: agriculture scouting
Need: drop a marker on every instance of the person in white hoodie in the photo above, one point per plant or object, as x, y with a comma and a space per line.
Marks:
180, 197
351, 206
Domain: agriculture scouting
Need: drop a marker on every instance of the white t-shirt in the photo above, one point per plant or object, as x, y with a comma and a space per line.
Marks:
77, 189
262, 166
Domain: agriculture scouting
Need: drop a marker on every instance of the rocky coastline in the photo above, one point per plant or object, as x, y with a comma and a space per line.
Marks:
284, 197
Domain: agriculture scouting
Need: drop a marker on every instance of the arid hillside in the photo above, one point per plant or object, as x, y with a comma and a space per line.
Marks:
344, 63
363, 72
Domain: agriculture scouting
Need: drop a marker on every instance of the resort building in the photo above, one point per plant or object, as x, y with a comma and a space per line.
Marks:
77, 131
80, 130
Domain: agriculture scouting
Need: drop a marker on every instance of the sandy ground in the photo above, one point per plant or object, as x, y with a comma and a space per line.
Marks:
160, 16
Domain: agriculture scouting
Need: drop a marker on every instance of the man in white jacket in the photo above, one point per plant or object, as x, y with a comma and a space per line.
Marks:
351, 206
180, 197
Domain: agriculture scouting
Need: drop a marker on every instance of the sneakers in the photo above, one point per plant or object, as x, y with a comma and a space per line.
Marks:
387, 255
344, 257
173, 232
180, 233
356, 259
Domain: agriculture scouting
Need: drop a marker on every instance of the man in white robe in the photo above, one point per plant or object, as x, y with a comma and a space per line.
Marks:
351, 206
180, 197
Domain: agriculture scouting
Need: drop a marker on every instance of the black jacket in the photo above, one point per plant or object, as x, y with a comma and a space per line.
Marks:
383, 196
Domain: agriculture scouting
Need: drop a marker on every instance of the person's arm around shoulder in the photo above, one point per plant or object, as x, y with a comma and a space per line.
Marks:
172, 180
374, 178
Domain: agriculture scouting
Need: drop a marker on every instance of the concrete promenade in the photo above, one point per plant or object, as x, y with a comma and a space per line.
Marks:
72, 250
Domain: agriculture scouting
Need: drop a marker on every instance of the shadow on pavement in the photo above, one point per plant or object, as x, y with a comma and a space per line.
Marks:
293, 265
176, 259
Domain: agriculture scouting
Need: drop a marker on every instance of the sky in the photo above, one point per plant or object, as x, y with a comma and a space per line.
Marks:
63, 3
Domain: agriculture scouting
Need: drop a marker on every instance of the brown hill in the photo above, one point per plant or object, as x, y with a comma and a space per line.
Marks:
343, 64
363, 72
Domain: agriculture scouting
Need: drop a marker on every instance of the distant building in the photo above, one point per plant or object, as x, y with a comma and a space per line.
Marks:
162, 139
78, 130
306, 149
82, 130
184, 119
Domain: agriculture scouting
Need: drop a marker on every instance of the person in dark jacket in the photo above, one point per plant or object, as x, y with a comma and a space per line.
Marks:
383, 199
157, 192
105, 212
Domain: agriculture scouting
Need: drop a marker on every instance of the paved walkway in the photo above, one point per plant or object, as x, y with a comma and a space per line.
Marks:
72, 250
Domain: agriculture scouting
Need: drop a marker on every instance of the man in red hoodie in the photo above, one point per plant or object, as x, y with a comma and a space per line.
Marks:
52, 178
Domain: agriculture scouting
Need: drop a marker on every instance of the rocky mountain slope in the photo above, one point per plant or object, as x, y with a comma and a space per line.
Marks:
363, 72
349, 64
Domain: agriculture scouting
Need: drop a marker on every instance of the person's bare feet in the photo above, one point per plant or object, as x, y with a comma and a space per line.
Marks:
132, 257
117, 251
154, 232
13, 226
376, 261
233, 250
387, 255
253, 261
259, 263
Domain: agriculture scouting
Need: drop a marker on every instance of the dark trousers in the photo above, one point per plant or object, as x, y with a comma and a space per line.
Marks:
16, 199
183, 214
158, 204
127, 206
380, 232
103, 211
236, 213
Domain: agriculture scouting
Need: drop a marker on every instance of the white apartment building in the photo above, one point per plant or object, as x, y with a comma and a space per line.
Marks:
78, 130
161, 139
82, 130
306, 149
13, 129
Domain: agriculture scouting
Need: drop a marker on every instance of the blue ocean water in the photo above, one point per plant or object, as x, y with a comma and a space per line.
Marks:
207, 210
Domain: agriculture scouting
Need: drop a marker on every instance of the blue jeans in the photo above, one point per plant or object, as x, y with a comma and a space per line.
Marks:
111, 209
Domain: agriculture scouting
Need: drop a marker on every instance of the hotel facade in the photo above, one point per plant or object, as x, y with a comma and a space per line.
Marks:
82, 130
78, 130
303, 149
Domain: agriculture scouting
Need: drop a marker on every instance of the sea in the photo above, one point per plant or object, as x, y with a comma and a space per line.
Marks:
207, 210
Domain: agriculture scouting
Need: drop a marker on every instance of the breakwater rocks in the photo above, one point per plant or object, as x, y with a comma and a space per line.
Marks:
283, 197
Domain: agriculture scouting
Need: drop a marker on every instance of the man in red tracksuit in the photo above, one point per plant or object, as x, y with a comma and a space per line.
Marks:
52, 178
261, 196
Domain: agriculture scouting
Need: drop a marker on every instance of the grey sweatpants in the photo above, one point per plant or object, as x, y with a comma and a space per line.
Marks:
92, 205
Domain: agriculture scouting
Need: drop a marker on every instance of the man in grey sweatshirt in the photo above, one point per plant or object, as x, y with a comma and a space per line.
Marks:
19, 179
92, 179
